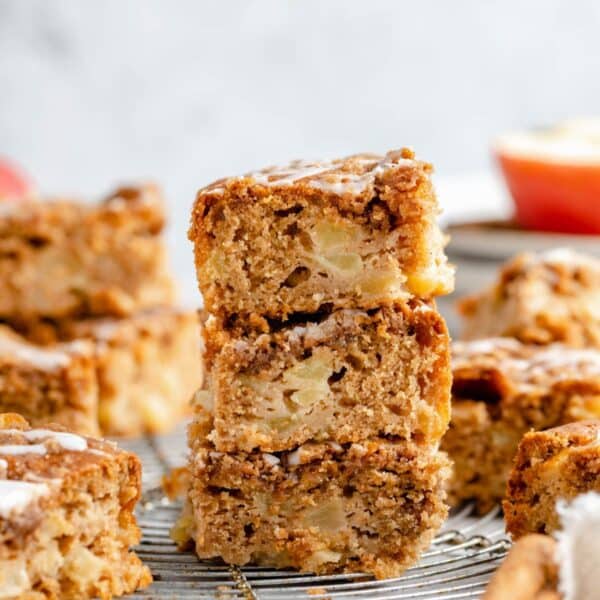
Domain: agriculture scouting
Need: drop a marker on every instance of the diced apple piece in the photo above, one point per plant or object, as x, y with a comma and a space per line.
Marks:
383, 282
347, 265
329, 516
331, 235
309, 378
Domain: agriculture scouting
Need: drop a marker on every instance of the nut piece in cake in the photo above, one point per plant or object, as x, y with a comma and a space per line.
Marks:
63, 258
66, 515
503, 389
49, 385
148, 365
369, 507
552, 465
354, 232
539, 299
529, 572
345, 376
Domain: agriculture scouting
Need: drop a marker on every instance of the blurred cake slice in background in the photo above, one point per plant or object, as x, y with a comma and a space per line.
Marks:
63, 258
96, 276
502, 389
147, 365
541, 298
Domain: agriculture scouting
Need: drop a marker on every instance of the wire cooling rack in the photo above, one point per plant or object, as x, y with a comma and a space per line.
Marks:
458, 564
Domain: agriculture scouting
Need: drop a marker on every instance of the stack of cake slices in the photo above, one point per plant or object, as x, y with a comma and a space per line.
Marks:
314, 441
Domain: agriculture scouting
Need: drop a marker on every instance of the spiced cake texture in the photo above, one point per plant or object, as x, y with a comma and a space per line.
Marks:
346, 376
554, 465
356, 232
501, 390
148, 365
49, 385
539, 299
66, 515
529, 572
314, 442
62, 258
369, 506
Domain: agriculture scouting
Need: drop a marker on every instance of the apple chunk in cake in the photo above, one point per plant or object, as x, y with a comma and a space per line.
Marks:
345, 376
353, 232
66, 515
367, 507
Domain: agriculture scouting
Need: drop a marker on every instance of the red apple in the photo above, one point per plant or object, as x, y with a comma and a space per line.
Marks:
14, 184
554, 177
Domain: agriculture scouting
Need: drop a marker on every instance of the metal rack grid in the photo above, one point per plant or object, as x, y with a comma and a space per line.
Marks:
458, 564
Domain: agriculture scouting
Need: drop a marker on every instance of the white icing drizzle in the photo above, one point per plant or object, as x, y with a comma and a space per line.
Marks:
558, 357
296, 171
566, 257
97, 452
527, 365
16, 449
41, 358
69, 441
330, 176
350, 182
486, 345
15, 496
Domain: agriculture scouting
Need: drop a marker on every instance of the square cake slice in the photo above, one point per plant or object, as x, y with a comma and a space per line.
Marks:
344, 376
66, 515
550, 466
356, 232
61, 258
368, 507
49, 385
148, 365
502, 389
539, 299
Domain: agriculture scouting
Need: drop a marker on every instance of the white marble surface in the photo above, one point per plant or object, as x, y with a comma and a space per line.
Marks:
97, 92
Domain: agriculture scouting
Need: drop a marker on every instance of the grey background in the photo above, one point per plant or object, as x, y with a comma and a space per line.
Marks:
98, 92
